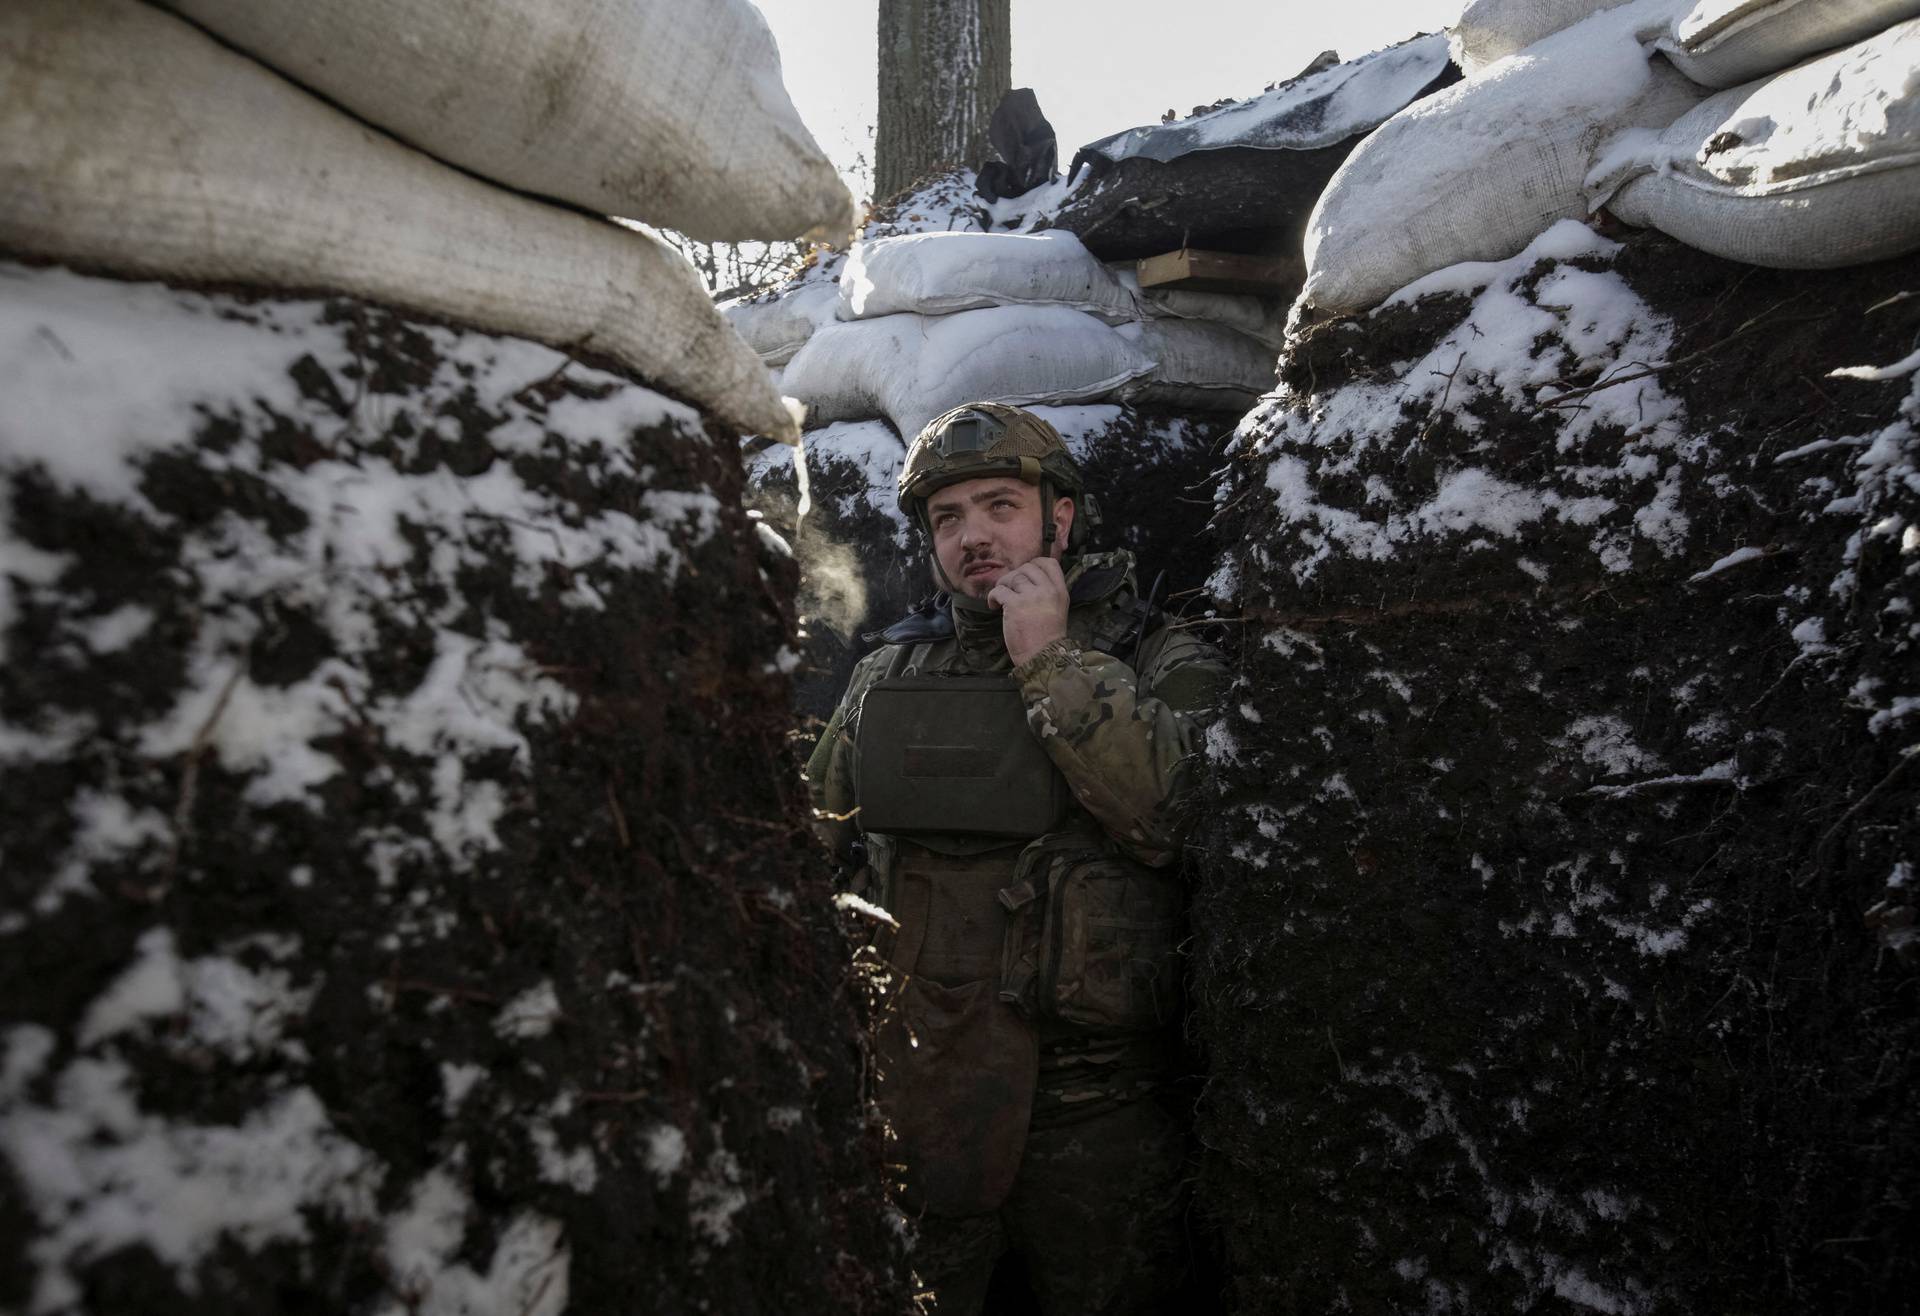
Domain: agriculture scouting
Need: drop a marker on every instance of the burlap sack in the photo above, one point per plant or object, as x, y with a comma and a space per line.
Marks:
1488, 31
911, 368
658, 110
939, 273
1723, 43
1199, 366
132, 142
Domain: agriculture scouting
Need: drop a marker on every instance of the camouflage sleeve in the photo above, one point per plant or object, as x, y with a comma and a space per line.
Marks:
1128, 743
830, 768
829, 775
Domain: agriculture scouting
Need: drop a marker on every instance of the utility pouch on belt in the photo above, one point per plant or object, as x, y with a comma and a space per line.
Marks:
1094, 939
953, 754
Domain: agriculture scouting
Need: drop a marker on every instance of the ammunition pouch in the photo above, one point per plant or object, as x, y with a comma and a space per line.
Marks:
957, 1067
953, 755
1094, 940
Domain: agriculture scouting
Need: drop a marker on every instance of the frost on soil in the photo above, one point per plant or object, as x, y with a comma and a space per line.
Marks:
1556, 910
372, 691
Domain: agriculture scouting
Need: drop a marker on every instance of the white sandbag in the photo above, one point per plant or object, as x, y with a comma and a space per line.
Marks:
777, 327
1723, 43
1257, 317
132, 142
1813, 168
1488, 31
1199, 366
657, 110
938, 273
910, 368
1477, 171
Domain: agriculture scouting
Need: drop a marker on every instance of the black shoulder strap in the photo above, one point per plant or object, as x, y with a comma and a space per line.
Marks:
1126, 625
1145, 617
902, 655
930, 619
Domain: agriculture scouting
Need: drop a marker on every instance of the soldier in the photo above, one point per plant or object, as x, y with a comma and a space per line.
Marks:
1011, 766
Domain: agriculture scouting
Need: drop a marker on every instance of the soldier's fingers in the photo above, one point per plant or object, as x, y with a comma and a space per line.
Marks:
1018, 581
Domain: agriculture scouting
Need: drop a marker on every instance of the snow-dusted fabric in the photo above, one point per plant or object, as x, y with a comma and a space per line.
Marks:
937, 273
657, 110
1490, 30
911, 368
1256, 317
1722, 43
130, 141
1814, 168
1479, 170
1199, 366
780, 326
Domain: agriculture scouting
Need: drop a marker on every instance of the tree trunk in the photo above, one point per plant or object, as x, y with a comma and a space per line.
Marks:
944, 65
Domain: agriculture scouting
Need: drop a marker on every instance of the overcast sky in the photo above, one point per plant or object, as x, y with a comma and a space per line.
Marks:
1098, 66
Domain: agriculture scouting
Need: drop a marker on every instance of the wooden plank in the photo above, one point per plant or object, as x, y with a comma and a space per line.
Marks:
1220, 271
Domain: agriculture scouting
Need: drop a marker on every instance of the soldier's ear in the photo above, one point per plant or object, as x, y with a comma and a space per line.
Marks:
1063, 512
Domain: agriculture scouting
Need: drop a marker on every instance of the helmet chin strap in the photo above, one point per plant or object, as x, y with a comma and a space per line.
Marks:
926, 529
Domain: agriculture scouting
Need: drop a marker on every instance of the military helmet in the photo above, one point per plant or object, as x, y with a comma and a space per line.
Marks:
991, 438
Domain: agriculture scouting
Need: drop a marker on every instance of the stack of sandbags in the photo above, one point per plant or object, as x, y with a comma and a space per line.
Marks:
641, 108
1477, 171
928, 321
1814, 167
1554, 931
1569, 102
404, 911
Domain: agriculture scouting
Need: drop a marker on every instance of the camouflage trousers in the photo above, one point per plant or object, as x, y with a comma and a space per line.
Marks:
1098, 1209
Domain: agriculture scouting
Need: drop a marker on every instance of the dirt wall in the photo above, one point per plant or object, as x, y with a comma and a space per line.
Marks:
408, 907
1552, 944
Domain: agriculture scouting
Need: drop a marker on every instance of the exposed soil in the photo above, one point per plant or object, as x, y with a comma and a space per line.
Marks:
1509, 1002
654, 868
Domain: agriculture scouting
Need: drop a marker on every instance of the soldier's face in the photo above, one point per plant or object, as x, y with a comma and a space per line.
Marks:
982, 529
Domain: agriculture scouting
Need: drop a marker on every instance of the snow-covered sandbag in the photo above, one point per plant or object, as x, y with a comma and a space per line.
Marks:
778, 326
1199, 366
938, 273
200, 165
1257, 317
1479, 170
910, 368
651, 109
1488, 31
1723, 43
1814, 168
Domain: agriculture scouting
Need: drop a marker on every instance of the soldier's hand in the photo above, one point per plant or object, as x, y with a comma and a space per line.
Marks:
1033, 604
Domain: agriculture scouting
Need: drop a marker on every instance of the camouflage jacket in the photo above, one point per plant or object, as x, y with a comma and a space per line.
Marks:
1125, 730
